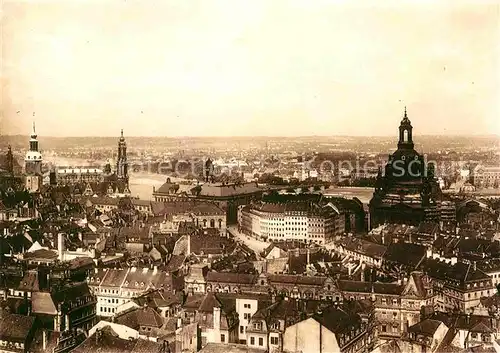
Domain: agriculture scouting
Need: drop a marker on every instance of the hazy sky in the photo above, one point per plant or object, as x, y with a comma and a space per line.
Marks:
256, 67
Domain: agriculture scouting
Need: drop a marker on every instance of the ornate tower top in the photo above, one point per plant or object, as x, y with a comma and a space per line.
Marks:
33, 132
405, 133
33, 154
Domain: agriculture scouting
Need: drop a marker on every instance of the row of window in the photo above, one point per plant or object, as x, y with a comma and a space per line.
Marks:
105, 309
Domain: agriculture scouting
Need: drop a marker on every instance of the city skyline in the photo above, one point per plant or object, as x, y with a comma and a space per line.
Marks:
173, 69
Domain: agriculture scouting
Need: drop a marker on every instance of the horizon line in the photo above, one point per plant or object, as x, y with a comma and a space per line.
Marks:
250, 136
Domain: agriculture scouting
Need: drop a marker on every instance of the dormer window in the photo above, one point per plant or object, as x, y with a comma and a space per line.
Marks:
136, 284
142, 284
126, 283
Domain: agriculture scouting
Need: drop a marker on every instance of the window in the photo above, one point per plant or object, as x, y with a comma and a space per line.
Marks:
252, 341
223, 337
384, 328
241, 329
274, 341
261, 341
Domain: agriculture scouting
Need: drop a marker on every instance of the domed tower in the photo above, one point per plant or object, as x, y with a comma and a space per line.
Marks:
405, 134
122, 164
406, 193
33, 164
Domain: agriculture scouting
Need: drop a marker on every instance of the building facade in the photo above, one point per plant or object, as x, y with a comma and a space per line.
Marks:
294, 221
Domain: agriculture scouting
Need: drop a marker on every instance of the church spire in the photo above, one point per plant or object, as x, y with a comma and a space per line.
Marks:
121, 163
33, 132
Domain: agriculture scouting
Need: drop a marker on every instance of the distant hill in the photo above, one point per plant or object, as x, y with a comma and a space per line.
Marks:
354, 143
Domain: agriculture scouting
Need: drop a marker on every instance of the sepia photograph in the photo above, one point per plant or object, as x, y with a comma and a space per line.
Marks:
249, 176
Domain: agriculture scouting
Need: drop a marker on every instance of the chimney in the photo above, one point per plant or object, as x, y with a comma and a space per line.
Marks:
145, 270
179, 322
66, 321
188, 245
475, 266
60, 246
44, 340
155, 270
308, 257
363, 272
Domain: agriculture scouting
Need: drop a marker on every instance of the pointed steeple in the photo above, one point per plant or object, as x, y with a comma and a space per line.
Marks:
33, 132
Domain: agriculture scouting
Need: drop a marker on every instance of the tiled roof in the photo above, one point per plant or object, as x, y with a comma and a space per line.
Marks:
459, 273
227, 277
407, 254
367, 287
220, 190
338, 320
426, 327
297, 279
42, 303
228, 348
365, 247
109, 342
16, 328
139, 317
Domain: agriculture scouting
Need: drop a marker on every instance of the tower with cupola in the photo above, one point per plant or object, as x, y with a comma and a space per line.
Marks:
33, 164
407, 191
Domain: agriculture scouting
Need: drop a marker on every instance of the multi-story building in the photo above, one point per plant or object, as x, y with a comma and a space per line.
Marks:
227, 196
333, 329
16, 333
486, 176
65, 307
114, 287
68, 176
217, 318
458, 286
298, 221
246, 306
397, 305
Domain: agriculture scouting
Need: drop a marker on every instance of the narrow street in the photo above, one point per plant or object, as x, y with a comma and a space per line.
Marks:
252, 243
